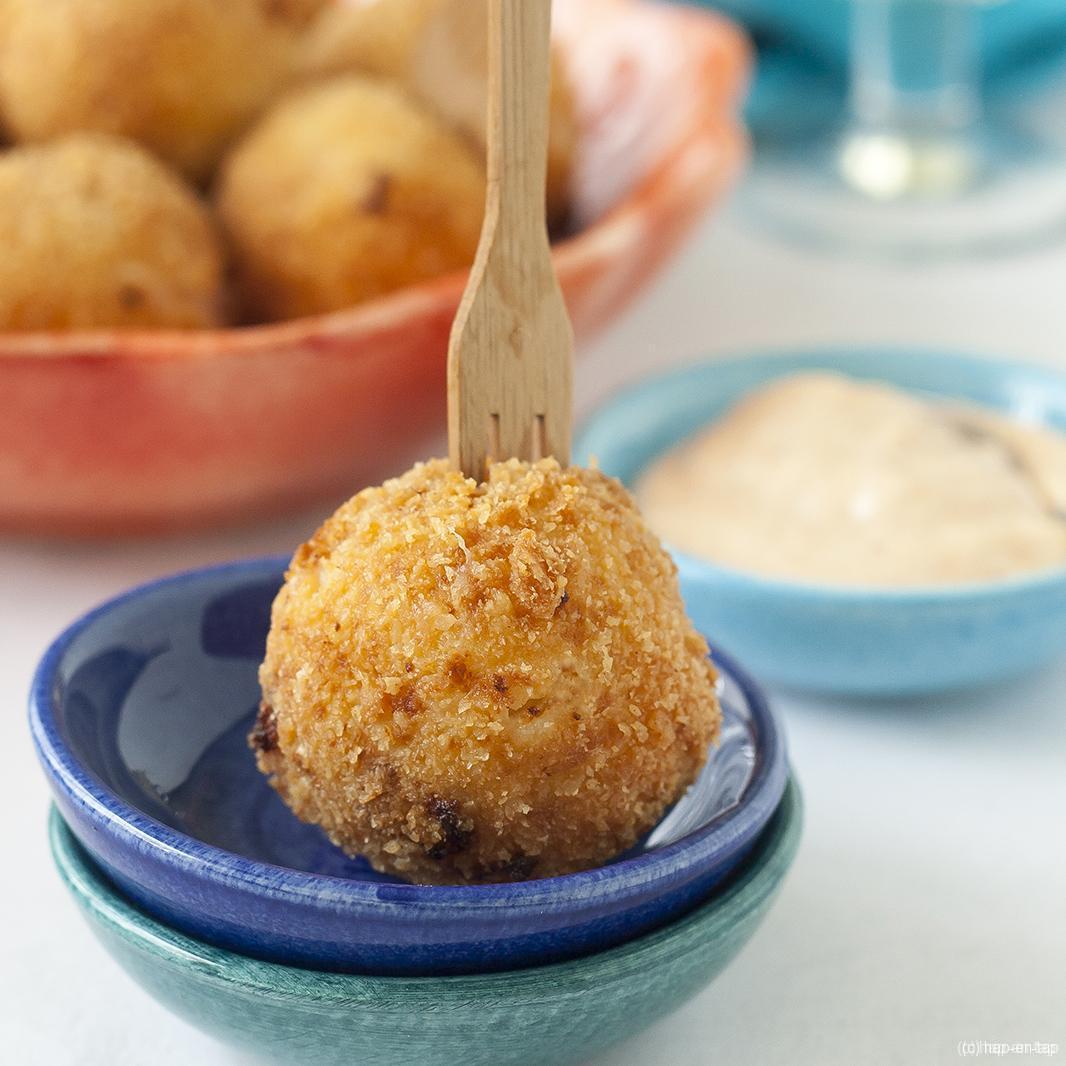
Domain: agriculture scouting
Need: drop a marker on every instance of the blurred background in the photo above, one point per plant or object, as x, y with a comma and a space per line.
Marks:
222, 304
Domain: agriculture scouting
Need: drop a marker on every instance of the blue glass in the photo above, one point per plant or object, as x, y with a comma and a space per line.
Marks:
902, 128
1010, 34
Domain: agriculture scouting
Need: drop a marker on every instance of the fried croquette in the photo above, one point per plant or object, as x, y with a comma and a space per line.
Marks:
348, 190
488, 682
182, 77
96, 232
437, 49
366, 37
299, 13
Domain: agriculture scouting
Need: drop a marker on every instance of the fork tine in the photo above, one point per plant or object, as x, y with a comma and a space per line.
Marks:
510, 356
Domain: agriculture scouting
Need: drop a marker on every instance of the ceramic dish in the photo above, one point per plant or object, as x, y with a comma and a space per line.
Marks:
551, 1014
140, 713
849, 640
111, 432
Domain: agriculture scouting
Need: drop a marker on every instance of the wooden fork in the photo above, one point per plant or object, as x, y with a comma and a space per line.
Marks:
511, 351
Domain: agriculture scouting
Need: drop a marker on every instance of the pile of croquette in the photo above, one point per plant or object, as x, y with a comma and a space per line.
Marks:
496, 681
191, 164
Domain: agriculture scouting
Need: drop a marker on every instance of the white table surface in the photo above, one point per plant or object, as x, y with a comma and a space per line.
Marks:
928, 903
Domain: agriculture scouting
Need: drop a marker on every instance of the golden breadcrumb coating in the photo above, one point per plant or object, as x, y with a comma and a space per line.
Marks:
365, 36
486, 682
299, 12
346, 191
437, 49
95, 232
183, 77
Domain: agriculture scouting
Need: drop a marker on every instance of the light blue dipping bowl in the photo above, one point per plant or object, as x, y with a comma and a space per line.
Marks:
546, 1014
864, 641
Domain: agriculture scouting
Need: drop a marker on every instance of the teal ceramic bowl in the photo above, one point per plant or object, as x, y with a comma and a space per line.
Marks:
851, 641
550, 1014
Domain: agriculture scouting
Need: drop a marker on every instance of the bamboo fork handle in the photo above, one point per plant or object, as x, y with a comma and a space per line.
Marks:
511, 351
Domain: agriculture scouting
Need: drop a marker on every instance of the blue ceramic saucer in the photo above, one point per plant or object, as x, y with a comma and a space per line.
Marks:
547, 1014
865, 641
140, 711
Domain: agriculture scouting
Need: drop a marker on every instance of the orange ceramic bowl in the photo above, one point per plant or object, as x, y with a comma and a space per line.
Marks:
109, 432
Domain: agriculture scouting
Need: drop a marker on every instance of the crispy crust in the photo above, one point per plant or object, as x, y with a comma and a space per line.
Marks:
401, 200
441, 58
182, 77
97, 232
484, 682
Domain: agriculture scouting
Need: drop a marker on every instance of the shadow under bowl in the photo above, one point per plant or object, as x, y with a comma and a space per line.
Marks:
558, 1014
854, 641
140, 711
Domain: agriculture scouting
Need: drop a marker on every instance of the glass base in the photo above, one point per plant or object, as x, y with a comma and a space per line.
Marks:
913, 196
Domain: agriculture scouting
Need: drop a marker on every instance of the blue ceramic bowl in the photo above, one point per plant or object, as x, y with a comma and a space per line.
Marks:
550, 1014
848, 640
140, 712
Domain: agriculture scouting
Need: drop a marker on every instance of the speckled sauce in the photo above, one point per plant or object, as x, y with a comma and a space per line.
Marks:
818, 477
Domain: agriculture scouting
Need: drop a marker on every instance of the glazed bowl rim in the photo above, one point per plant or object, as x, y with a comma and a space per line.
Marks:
755, 881
202, 861
969, 594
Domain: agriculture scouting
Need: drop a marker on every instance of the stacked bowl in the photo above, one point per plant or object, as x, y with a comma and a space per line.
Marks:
253, 927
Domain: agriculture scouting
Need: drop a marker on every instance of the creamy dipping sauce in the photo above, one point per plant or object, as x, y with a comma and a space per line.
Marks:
819, 477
